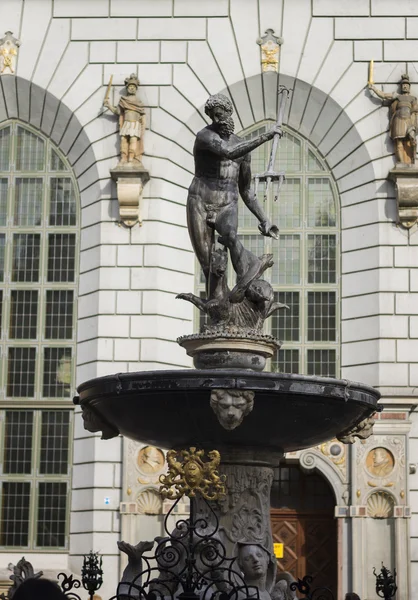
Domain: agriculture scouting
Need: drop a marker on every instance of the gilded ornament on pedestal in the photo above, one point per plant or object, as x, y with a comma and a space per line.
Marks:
8, 52
270, 46
191, 474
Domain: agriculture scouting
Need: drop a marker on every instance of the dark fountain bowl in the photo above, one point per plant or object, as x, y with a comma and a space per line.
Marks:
171, 409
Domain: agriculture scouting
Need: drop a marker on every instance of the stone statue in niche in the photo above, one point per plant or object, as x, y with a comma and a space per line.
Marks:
231, 406
222, 173
403, 120
130, 174
131, 114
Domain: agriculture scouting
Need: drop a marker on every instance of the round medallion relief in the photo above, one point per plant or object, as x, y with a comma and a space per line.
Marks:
380, 462
150, 460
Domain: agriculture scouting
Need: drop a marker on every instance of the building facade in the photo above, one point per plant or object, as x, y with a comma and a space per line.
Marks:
83, 295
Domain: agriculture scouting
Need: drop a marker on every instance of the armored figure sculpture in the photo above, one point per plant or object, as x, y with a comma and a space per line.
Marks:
131, 123
403, 120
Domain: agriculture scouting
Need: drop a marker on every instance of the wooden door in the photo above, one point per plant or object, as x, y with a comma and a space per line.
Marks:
303, 521
310, 546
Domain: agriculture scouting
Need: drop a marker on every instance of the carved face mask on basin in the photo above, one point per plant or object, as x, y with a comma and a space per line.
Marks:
231, 406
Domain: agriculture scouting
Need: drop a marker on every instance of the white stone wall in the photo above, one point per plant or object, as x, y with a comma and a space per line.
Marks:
183, 50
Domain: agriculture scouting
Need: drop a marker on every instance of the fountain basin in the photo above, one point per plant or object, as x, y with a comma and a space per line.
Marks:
172, 408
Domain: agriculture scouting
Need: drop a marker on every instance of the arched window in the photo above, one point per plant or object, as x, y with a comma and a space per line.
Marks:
38, 266
305, 275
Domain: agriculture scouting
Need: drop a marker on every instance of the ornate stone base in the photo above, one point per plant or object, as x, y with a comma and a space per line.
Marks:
406, 184
244, 515
130, 180
211, 351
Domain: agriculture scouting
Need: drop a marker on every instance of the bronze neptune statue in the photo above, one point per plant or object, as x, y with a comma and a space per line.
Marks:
222, 174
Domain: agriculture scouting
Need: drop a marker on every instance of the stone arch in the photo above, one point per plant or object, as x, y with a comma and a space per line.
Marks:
312, 460
24, 100
316, 116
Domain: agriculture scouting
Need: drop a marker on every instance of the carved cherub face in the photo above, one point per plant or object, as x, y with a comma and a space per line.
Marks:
253, 561
231, 406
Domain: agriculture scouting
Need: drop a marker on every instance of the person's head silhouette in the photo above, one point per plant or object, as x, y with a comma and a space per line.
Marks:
37, 589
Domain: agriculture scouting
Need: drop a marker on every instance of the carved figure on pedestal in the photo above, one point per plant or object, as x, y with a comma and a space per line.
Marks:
222, 173
403, 120
231, 406
131, 113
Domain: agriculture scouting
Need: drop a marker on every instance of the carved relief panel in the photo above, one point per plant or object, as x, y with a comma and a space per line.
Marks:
143, 465
381, 475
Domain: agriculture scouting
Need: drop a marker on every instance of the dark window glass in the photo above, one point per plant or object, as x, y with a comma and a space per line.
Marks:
5, 149
322, 362
54, 442
59, 314
2, 253
62, 207
52, 508
21, 372
285, 322
4, 186
292, 489
14, 523
322, 259
30, 154
287, 361
56, 163
25, 260
57, 373
321, 203
61, 257
28, 201
23, 314
18, 432
322, 317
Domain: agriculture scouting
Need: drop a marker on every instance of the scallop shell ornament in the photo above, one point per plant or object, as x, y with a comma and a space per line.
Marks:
149, 503
380, 506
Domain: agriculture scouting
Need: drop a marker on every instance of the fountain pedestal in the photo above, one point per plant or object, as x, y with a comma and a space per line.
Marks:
244, 515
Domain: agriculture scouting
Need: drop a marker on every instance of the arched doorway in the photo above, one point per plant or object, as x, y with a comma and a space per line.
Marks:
302, 518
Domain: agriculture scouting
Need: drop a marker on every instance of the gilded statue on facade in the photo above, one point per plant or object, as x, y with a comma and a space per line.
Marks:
131, 114
403, 120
